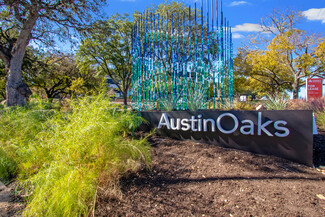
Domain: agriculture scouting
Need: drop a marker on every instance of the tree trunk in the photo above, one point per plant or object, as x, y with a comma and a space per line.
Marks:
48, 95
14, 81
295, 87
16, 90
125, 97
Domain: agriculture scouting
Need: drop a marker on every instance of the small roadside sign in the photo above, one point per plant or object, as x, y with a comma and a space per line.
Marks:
314, 88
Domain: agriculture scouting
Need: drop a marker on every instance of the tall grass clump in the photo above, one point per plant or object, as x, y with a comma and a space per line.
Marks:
19, 129
195, 98
276, 102
317, 105
227, 104
170, 103
320, 120
74, 150
298, 104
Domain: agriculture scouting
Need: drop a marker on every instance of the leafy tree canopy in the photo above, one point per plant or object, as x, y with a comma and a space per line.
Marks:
289, 57
22, 21
107, 47
57, 74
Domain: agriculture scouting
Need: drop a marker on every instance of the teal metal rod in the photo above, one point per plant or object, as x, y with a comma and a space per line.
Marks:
168, 63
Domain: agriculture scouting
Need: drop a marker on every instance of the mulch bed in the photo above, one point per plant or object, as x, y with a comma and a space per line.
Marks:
191, 179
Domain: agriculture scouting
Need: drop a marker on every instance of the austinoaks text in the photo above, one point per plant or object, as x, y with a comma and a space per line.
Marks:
246, 127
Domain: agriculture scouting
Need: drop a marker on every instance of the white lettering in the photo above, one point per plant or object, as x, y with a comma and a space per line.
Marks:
178, 124
199, 127
247, 127
285, 130
193, 120
227, 131
205, 125
185, 125
166, 123
250, 127
261, 127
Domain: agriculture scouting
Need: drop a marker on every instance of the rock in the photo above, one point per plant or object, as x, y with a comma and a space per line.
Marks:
260, 107
320, 196
5, 195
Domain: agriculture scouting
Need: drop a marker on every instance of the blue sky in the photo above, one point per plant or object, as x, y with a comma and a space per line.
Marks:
244, 15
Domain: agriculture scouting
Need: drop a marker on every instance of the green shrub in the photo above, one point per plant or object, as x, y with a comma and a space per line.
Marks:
320, 120
150, 106
195, 99
61, 155
248, 105
19, 130
169, 103
276, 103
8, 167
227, 104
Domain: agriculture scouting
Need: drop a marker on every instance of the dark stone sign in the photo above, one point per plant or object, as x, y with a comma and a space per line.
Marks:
286, 134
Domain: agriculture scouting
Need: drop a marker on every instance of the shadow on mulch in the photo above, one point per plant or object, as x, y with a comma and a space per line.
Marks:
319, 150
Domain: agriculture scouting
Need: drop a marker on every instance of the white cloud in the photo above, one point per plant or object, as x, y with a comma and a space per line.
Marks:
236, 3
251, 27
248, 27
237, 36
315, 14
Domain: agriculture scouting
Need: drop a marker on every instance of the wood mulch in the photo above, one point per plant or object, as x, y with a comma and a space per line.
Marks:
191, 179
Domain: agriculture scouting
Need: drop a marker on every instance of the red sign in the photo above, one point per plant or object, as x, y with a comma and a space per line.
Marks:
314, 88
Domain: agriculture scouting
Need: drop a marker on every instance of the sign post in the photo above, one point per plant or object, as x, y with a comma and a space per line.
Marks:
314, 88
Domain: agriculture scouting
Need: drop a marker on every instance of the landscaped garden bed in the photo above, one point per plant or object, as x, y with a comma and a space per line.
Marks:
184, 177
191, 179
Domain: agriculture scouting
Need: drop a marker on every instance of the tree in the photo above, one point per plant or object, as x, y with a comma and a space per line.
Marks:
320, 54
245, 82
22, 21
2, 81
240, 74
57, 74
107, 47
291, 56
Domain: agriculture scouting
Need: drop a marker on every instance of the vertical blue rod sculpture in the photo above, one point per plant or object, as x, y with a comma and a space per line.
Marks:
208, 45
202, 59
177, 66
189, 58
191, 70
166, 61
184, 73
213, 57
172, 58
